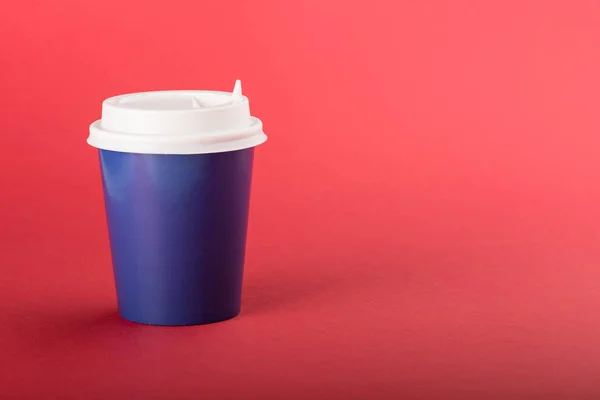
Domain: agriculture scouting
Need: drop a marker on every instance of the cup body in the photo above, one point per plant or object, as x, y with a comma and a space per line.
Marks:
177, 227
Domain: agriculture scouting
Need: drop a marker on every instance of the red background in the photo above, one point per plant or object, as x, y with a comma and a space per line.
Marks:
425, 216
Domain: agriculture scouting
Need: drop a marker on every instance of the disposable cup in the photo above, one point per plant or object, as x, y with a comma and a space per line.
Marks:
176, 172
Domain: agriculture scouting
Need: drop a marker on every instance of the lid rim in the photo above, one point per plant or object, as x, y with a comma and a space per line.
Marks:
191, 143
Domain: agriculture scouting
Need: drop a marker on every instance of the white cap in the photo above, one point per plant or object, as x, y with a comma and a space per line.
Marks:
177, 122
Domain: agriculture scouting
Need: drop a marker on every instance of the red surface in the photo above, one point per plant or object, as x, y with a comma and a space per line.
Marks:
425, 217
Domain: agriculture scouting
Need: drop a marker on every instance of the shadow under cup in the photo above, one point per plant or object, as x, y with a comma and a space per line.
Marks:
177, 227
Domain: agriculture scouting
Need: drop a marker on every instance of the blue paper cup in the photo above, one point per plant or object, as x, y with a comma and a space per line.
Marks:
177, 222
177, 227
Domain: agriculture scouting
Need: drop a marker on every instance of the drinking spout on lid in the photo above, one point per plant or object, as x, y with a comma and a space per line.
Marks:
196, 103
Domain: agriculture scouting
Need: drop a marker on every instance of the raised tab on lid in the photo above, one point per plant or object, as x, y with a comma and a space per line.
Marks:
237, 92
164, 121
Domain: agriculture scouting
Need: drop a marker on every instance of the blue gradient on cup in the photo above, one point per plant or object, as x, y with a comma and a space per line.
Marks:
177, 227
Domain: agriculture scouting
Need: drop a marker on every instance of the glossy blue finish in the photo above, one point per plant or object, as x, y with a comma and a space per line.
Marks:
177, 227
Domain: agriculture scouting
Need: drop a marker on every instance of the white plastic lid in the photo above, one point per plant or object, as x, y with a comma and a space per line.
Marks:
177, 122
